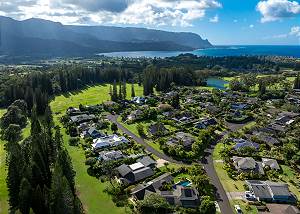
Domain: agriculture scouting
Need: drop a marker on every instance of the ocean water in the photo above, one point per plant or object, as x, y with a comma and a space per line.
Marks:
236, 50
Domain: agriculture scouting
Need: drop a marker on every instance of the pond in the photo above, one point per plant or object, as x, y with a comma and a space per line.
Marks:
216, 83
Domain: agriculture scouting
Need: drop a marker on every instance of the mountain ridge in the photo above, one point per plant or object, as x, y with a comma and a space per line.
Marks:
43, 37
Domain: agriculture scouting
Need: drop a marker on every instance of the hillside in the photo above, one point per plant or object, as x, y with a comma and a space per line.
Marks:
37, 37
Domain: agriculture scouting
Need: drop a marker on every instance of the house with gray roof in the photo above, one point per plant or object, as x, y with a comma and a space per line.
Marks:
269, 191
133, 173
248, 164
272, 163
178, 196
111, 155
182, 138
82, 118
242, 143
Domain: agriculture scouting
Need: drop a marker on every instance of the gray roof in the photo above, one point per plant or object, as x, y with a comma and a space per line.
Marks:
272, 163
123, 170
268, 189
140, 191
143, 173
244, 163
146, 161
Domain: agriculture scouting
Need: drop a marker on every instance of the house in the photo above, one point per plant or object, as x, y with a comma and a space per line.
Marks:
73, 111
266, 162
108, 141
204, 123
181, 138
242, 143
135, 115
139, 100
141, 190
239, 106
178, 196
111, 155
286, 118
147, 161
266, 138
248, 164
93, 133
158, 129
133, 173
78, 119
271, 191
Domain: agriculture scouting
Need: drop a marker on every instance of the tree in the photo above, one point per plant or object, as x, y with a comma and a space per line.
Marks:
153, 203
25, 196
207, 205
140, 129
12, 133
114, 96
124, 90
65, 162
14, 173
114, 127
175, 101
61, 196
297, 82
120, 91
14, 115
132, 90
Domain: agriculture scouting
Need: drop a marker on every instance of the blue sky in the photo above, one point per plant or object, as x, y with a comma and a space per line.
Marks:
222, 22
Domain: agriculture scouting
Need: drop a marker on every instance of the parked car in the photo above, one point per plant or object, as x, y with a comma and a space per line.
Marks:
238, 209
250, 196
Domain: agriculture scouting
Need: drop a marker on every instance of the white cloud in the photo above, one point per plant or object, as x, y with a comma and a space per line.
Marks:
235, 20
274, 10
295, 31
251, 26
214, 19
134, 12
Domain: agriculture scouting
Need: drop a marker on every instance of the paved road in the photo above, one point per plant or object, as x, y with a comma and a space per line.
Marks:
207, 164
222, 197
113, 118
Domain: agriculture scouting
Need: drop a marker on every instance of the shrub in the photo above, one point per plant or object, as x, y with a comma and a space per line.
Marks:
74, 141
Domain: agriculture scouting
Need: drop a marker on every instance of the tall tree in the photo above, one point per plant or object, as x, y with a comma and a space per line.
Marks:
25, 196
124, 89
132, 90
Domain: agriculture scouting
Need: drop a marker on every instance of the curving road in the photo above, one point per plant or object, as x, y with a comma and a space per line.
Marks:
207, 163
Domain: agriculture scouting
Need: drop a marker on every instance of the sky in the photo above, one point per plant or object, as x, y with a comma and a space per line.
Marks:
222, 22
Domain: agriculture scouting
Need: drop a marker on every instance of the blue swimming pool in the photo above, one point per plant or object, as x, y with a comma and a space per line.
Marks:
185, 183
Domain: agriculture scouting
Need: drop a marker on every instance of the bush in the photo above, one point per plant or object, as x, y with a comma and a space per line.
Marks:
90, 161
74, 141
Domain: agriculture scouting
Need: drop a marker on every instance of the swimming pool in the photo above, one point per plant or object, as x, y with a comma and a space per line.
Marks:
184, 183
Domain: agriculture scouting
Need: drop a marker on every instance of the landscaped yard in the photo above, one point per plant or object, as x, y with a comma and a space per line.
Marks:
251, 209
229, 184
90, 189
3, 189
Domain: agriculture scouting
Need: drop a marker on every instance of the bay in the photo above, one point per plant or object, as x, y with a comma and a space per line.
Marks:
218, 51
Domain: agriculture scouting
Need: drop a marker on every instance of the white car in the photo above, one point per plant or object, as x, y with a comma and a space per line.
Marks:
250, 196
238, 209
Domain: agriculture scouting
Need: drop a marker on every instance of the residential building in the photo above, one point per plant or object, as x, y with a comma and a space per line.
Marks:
272, 163
242, 143
82, 118
271, 191
248, 164
108, 141
133, 173
111, 155
178, 196
181, 138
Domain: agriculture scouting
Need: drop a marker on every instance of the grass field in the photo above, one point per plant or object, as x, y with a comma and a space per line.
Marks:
251, 209
90, 189
3, 189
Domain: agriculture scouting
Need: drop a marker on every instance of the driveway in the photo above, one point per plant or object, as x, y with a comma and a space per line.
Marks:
207, 163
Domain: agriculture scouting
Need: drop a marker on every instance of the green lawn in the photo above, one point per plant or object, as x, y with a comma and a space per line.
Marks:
3, 189
90, 189
229, 184
251, 209
287, 175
